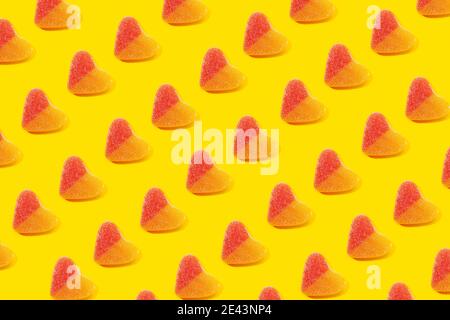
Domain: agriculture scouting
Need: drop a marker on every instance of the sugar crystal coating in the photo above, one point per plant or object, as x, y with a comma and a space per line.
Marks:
297, 5
27, 203
257, 26
419, 91
6, 32
74, 169
119, 132
82, 65
36, 102
376, 126
269, 293
129, 30
446, 172
170, 6
385, 24
166, 98
315, 267
282, 196
201, 163
361, 229
61, 274
146, 295
154, 202
188, 270
408, 194
44, 7
107, 236
235, 235
400, 291
338, 58
441, 266
422, 3
295, 93
328, 163
213, 62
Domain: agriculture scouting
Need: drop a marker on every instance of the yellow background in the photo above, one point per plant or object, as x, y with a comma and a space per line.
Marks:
179, 64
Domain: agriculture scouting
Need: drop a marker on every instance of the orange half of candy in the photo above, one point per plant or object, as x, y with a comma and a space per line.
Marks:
380, 140
239, 248
6, 256
261, 40
169, 112
332, 177
434, 8
364, 242
52, 14
319, 281
310, 11
158, 215
193, 282
411, 208
285, 210
424, 104
298, 106
218, 75
183, 12
111, 249
132, 44
30, 217
78, 184
68, 283
342, 72
9, 153
86, 78
40, 116
122, 145
388, 37
13, 49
